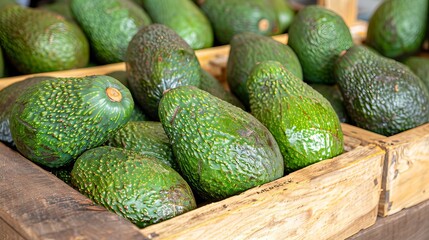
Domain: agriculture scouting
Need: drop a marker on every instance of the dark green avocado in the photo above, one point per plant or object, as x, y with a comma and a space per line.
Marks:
134, 186
53, 122
146, 138
381, 94
333, 94
247, 49
420, 66
221, 149
302, 121
158, 59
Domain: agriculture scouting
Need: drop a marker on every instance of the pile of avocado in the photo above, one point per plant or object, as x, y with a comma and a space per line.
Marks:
68, 34
164, 136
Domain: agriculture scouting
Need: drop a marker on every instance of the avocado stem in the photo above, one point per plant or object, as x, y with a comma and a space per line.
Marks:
263, 24
114, 94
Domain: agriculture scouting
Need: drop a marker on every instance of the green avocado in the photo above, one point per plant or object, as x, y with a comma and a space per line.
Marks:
158, 59
398, 27
1, 64
247, 49
213, 86
8, 96
60, 7
381, 94
146, 138
109, 25
284, 12
45, 41
302, 121
333, 94
229, 17
420, 66
184, 17
221, 149
318, 36
134, 186
53, 122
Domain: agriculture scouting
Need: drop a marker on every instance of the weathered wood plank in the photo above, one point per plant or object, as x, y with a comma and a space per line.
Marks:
7, 232
37, 205
332, 199
408, 224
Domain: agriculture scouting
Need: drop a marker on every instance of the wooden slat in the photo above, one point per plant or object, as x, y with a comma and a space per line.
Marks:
332, 199
37, 205
408, 224
7, 232
406, 174
347, 9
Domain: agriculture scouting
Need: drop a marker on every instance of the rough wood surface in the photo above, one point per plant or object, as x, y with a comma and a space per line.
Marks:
408, 224
347, 9
355, 136
332, 199
37, 205
406, 174
7, 232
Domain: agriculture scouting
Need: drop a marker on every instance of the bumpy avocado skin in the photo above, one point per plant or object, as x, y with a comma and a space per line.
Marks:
184, 17
137, 187
247, 49
333, 94
420, 66
39, 41
109, 25
318, 36
158, 59
398, 27
230, 17
381, 94
147, 138
8, 96
301, 120
210, 84
221, 149
55, 121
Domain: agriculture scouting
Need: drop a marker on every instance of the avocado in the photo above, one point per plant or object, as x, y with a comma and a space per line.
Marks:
134, 186
302, 121
137, 114
8, 96
1, 63
381, 94
221, 150
246, 50
60, 7
184, 17
318, 36
284, 12
109, 25
210, 84
333, 94
159, 59
146, 138
45, 41
398, 27
420, 66
229, 17
53, 122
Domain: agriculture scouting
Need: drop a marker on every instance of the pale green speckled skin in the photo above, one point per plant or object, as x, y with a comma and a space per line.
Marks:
221, 149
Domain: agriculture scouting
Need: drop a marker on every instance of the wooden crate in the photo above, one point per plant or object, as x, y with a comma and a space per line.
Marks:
332, 199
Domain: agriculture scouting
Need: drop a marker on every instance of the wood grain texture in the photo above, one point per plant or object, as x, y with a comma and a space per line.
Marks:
7, 232
332, 199
347, 9
406, 175
37, 205
408, 224
355, 136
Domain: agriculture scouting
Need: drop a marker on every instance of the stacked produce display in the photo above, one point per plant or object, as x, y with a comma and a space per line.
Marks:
163, 137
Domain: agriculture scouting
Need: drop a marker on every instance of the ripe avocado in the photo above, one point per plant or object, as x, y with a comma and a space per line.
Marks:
221, 149
159, 59
301, 120
332, 93
381, 94
45, 41
8, 96
184, 17
229, 17
420, 66
318, 36
247, 49
213, 86
60, 7
53, 122
109, 25
137, 187
284, 12
146, 138
398, 27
